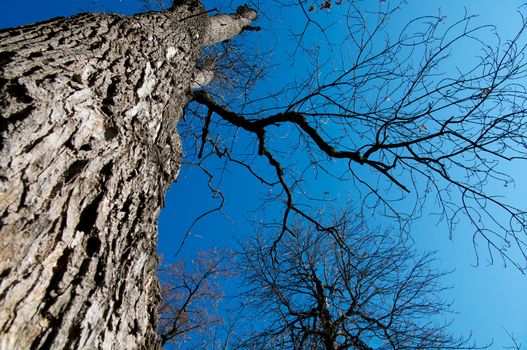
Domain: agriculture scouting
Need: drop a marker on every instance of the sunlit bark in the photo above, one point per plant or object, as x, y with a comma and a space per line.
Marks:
89, 107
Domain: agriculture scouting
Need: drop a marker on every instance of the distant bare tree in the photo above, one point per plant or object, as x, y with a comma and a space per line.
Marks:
347, 288
191, 293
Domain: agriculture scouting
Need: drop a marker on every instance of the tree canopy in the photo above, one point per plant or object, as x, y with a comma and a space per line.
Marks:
345, 289
394, 110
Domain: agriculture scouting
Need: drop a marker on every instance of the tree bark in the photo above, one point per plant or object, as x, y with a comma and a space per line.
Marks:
89, 110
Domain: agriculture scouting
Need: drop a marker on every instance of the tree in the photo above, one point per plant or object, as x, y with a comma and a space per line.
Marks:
347, 288
389, 111
191, 295
89, 110
90, 106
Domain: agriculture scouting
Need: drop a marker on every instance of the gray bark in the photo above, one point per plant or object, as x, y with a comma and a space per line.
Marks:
202, 77
89, 108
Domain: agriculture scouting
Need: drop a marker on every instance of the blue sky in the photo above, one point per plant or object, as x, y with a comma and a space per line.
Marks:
487, 298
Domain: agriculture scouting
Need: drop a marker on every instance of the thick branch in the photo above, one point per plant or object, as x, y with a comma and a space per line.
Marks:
223, 27
257, 126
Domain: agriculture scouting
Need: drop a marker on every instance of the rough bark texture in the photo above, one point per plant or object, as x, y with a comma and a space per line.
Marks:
89, 108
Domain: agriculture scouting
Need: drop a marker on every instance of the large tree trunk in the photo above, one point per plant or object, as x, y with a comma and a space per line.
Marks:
89, 110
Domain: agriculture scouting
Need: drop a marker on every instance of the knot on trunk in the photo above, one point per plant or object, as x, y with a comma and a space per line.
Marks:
202, 77
247, 12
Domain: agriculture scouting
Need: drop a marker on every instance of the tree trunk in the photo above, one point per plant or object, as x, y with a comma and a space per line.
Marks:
89, 110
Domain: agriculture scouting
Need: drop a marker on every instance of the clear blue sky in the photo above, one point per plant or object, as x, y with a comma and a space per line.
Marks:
486, 297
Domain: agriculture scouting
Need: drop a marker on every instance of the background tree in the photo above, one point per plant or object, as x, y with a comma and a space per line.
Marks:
191, 295
347, 288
